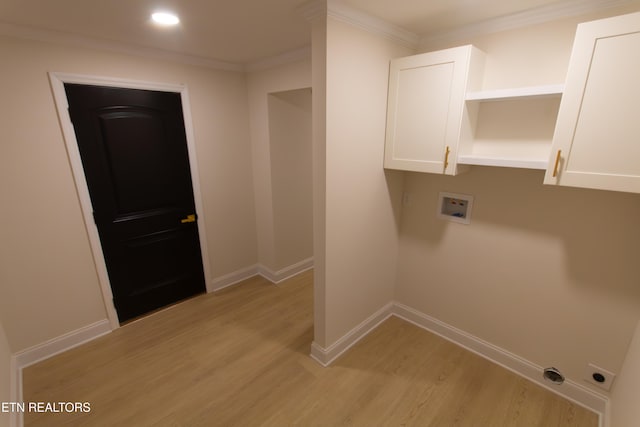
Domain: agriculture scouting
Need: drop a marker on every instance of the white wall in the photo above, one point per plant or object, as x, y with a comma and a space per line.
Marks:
291, 176
361, 201
5, 375
625, 411
48, 283
261, 83
547, 273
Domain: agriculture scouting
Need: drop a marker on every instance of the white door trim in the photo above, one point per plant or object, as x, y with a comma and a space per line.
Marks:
57, 85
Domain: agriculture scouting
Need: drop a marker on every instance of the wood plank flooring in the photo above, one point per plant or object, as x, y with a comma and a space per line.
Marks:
240, 357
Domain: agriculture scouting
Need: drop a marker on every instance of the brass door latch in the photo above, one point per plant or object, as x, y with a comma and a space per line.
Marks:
189, 218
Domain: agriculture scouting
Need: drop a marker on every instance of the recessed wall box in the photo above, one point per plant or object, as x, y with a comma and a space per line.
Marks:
455, 207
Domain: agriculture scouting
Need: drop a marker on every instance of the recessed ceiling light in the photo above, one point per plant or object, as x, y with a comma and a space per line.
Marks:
165, 18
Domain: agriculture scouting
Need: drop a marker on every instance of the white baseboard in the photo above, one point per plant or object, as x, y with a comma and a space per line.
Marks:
259, 269
325, 356
62, 343
233, 278
319, 354
569, 389
15, 391
287, 272
48, 349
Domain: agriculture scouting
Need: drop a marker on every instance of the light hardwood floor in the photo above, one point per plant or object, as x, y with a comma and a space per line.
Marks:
240, 357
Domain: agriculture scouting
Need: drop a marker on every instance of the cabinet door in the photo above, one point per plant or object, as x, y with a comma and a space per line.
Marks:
424, 112
596, 143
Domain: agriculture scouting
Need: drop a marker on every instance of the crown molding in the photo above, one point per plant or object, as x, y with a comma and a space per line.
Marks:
337, 9
538, 15
313, 9
69, 39
284, 58
342, 12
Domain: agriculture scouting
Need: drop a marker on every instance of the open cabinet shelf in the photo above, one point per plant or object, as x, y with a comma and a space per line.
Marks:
507, 162
510, 127
552, 91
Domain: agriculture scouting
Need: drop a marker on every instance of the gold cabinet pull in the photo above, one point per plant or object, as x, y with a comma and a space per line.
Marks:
189, 218
555, 168
446, 157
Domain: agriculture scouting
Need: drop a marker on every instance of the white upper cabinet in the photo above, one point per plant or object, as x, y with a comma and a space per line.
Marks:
426, 106
596, 143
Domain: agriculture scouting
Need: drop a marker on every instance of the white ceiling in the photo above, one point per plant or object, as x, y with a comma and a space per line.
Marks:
239, 31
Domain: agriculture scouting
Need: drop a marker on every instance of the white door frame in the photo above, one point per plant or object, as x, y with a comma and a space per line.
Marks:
57, 85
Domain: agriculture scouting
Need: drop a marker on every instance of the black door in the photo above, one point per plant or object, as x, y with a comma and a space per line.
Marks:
134, 153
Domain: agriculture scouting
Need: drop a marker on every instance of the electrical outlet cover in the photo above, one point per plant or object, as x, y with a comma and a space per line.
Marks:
592, 372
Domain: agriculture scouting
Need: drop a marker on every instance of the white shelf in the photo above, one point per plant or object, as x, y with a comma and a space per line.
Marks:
510, 127
503, 162
517, 93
